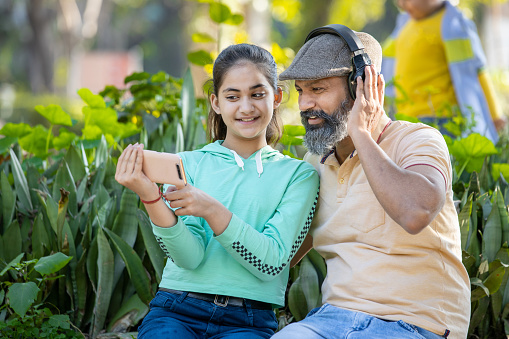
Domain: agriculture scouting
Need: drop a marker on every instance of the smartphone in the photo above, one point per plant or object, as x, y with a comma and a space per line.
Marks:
164, 168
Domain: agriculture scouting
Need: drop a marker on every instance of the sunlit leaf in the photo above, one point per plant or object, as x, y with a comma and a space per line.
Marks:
498, 169
137, 77
200, 58
15, 130
160, 77
219, 12
401, 116
471, 151
37, 141
202, 37
64, 139
91, 99
235, 19
54, 114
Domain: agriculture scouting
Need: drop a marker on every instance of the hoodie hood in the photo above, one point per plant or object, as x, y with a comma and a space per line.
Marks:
262, 155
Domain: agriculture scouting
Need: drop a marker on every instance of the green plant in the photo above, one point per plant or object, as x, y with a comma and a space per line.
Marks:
67, 200
25, 313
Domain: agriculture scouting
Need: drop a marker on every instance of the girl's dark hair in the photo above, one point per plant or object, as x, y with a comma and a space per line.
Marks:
232, 56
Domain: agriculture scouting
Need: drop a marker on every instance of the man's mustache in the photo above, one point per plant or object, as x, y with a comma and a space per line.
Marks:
315, 113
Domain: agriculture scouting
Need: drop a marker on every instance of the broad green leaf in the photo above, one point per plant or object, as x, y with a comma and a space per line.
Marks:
12, 245
20, 182
38, 142
6, 143
289, 140
504, 218
478, 314
401, 116
480, 291
40, 238
21, 296
297, 301
294, 130
133, 307
134, 266
52, 263
235, 19
471, 151
494, 280
155, 253
13, 262
464, 221
309, 281
179, 147
484, 177
188, 106
54, 114
8, 199
319, 264
126, 227
82, 287
91, 99
200, 58
160, 77
60, 321
75, 162
498, 169
64, 139
15, 130
219, 12
290, 154
104, 282
202, 37
492, 235
137, 77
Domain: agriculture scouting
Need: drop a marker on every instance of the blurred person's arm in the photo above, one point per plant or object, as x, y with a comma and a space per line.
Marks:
489, 92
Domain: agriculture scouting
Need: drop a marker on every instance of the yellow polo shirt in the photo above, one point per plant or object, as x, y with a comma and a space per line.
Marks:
373, 265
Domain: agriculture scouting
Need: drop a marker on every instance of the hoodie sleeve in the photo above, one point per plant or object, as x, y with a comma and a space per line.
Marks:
184, 243
265, 254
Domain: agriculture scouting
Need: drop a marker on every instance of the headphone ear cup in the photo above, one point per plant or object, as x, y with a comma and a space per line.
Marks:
352, 84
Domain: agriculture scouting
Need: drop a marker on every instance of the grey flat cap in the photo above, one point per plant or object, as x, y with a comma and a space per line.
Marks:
328, 55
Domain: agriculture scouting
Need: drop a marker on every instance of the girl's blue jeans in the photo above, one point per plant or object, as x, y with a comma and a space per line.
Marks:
332, 322
179, 316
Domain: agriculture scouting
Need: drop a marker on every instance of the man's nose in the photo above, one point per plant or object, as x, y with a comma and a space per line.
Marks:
306, 102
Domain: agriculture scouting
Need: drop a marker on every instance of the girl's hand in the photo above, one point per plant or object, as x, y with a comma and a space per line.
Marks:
368, 107
130, 175
192, 201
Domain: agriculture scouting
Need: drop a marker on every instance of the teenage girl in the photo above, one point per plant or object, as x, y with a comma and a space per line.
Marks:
231, 232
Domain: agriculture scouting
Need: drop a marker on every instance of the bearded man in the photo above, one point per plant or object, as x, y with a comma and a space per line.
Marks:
385, 223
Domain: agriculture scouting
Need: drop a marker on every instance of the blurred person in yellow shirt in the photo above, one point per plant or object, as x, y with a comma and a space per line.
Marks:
436, 60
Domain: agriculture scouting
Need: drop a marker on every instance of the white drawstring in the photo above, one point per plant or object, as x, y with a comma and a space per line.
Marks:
238, 159
259, 166
258, 158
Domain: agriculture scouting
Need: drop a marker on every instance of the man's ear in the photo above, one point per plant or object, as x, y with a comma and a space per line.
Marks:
278, 97
214, 102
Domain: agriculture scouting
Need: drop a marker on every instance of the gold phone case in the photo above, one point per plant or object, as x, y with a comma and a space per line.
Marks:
164, 168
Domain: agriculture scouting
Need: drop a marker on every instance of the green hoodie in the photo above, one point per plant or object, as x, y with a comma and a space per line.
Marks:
272, 198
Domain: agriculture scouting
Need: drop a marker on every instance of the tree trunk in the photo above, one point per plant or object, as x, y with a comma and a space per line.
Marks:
41, 56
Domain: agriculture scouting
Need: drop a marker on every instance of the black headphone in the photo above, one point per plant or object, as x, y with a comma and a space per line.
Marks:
360, 58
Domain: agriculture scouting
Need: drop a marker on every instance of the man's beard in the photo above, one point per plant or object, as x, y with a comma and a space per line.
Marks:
321, 139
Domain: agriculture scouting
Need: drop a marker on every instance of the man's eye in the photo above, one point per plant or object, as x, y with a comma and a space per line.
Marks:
318, 89
258, 95
231, 97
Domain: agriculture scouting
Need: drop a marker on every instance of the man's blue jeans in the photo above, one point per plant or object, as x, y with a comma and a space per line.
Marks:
178, 316
332, 322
